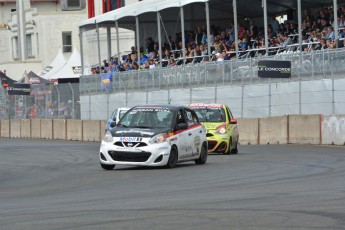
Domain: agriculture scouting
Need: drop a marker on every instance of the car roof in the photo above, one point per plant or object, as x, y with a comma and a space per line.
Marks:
168, 106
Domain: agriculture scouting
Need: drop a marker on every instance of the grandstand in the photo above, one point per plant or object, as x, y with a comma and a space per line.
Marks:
214, 52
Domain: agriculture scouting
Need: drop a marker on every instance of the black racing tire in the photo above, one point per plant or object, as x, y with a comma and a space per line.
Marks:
203, 156
229, 147
173, 157
235, 150
107, 167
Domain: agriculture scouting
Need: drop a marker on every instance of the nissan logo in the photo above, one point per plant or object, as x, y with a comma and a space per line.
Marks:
129, 144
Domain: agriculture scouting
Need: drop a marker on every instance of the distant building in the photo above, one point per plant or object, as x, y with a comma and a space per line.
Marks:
33, 31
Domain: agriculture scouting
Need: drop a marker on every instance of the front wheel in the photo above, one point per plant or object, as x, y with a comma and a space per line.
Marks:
229, 147
172, 161
203, 156
107, 167
235, 150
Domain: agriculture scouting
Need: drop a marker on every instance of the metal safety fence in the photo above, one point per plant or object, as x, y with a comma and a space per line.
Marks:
63, 100
305, 65
45, 101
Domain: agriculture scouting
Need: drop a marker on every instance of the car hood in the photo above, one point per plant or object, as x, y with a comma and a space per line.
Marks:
213, 125
136, 132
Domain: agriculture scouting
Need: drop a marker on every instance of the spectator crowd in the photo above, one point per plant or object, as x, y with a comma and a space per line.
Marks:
317, 34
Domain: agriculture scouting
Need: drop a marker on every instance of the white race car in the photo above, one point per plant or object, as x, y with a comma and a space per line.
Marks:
152, 135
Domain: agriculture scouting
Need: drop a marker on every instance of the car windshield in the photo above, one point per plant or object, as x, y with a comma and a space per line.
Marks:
210, 114
122, 112
147, 117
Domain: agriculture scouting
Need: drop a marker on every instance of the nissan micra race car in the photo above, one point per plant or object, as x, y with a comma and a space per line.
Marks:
222, 134
151, 135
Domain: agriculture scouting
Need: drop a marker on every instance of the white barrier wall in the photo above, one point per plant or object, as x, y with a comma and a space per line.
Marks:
247, 101
333, 129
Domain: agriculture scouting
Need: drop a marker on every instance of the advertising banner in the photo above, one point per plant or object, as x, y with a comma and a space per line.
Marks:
274, 69
18, 89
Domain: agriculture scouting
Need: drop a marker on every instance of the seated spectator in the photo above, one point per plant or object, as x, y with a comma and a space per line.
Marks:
330, 33
341, 21
152, 64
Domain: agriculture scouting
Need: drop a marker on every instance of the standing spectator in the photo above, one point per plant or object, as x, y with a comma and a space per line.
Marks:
231, 34
275, 25
68, 110
198, 35
341, 21
254, 31
204, 38
77, 110
55, 109
149, 45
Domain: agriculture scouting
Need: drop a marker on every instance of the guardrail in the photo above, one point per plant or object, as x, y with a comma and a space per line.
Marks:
295, 129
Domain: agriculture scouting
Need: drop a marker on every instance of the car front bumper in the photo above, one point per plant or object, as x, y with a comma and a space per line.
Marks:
149, 155
217, 142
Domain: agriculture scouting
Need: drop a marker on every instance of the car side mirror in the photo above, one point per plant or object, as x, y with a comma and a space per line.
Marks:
233, 121
114, 119
112, 124
182, 126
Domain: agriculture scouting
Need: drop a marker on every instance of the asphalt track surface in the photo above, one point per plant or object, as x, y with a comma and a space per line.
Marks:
60, 185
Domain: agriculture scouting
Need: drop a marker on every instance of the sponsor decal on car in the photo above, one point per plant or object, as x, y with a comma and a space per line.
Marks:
130, 139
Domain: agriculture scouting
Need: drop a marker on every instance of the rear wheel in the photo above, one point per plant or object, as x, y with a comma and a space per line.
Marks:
172, 161
107, 167
203, 156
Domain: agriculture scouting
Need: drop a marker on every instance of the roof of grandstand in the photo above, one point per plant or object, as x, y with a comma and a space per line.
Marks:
194, 10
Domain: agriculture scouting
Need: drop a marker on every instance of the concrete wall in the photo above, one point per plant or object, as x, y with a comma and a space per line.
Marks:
36, 128
273, 130
304, 129
295, 129
25, 128
74, 130
333, 129
59, 129
248, 129
47, 129
92, 130
5, 128
15, 128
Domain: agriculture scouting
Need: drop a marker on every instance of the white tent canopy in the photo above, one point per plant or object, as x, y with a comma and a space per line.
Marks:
58, 62
246, 8
71, 68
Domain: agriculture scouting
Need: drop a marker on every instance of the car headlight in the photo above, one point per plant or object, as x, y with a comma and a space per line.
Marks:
221, 130
108, 137
159, 138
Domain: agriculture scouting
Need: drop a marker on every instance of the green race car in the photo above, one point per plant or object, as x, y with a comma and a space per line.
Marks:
222, 133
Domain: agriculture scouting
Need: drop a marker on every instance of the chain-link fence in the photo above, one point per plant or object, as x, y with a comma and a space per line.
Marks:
63, 100
309, 65
45, 101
